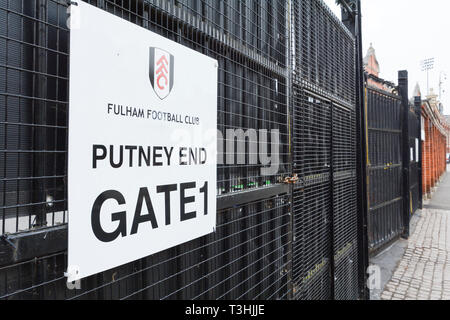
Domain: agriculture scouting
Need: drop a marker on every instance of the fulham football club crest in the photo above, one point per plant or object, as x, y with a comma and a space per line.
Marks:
161, 72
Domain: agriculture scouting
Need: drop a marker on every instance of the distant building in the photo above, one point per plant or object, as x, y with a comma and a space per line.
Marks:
372, 69
416, 92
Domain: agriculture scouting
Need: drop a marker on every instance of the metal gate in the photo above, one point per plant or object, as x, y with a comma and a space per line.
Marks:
325, 246
273, 241
394, 162
385, 167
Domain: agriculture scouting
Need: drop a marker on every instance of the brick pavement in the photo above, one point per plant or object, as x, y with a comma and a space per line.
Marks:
424, 270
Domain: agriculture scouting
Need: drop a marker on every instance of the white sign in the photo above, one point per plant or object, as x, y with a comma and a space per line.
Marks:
417, 150
422, 125
142, 143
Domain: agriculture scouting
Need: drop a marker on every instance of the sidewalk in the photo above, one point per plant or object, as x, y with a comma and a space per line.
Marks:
423, 272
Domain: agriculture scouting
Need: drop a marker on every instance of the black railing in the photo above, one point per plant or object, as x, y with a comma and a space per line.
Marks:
393, 156
325, 248
273, 240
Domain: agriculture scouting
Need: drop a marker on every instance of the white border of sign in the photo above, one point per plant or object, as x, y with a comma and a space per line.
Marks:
142, 117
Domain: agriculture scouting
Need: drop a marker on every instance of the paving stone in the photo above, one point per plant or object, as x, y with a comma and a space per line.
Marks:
424, 271
386, 295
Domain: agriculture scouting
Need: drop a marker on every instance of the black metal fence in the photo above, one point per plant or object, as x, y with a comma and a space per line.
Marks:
247, 258
392, 159
325, 247
385, 166
415, 166
273, 241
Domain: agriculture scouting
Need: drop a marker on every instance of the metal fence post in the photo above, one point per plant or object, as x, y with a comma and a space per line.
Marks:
403, 90
290, 119
362, 139
39, 115
418, 109
355, 26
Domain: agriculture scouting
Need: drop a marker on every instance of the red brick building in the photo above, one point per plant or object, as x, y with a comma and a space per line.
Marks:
448, 133
435, 135
372, 67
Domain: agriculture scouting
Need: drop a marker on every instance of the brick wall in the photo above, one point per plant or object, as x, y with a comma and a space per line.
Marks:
447, 125
434, 147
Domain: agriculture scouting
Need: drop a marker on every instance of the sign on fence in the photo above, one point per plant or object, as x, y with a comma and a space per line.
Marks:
142, 143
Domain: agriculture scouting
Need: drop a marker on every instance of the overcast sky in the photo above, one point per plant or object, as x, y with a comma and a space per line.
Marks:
405, 32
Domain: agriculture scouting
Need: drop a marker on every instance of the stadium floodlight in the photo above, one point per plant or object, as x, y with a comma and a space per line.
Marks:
427, 65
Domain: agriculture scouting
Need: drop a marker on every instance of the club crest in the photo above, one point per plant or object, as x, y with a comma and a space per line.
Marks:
161, 72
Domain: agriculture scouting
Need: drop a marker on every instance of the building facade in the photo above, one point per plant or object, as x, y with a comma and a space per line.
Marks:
447, 118
372, 69
435, 135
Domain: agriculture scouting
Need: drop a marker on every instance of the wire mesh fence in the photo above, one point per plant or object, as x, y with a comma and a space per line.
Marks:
345, 227
246, 258
300, 244
323, 51
325, 248
33, 120
252, 92
385, 167
312, 198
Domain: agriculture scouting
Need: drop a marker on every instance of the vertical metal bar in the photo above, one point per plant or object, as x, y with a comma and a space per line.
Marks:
353, 22
403, 90
5, 128
332, 202
40, 115
362, 118
290, 115
361, 121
